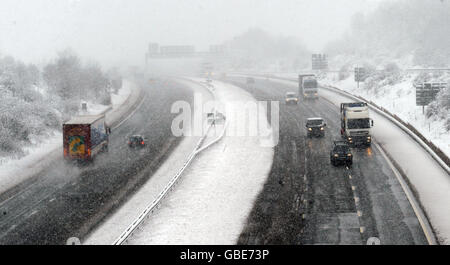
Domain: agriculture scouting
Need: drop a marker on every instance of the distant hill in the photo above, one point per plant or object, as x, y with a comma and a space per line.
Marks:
416, 29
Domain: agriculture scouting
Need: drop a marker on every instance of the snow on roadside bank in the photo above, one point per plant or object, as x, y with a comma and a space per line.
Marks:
43, 150
212, 201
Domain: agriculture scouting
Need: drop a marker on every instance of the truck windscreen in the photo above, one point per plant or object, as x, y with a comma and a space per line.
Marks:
314, 122
358, 124
310, 84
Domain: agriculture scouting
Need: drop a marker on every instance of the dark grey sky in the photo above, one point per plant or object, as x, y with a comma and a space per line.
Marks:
118, 31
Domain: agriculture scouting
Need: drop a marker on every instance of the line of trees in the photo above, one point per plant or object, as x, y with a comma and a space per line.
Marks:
73, 82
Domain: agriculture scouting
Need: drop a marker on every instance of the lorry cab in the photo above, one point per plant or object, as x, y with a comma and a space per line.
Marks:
356, 123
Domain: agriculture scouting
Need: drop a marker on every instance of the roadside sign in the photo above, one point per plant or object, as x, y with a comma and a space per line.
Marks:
319, 62
426, 92
360, 74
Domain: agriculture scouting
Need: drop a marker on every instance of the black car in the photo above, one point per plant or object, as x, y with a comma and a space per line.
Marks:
341, 153
315, 126
136, 141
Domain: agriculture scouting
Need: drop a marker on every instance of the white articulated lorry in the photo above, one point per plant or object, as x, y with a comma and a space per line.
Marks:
308, 86
356, 123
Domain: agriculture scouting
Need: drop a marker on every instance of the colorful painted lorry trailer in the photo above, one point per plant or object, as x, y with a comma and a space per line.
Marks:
84, 137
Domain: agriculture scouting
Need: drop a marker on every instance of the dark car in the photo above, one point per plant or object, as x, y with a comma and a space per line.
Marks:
136, 141
341, 153
316, 127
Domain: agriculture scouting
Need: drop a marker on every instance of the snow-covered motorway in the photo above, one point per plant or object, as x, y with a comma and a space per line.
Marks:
216, 193
308, 201
232, 193
236, 191
67, 200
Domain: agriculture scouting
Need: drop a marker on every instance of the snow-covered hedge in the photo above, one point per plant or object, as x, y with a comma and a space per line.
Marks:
19, 120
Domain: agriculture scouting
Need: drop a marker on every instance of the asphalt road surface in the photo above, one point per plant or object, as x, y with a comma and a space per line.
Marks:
68, 200
306, 200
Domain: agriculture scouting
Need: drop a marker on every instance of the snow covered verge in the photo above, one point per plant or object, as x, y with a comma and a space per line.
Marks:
45, 148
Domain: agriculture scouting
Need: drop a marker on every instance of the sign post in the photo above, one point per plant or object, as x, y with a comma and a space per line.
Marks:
360, 75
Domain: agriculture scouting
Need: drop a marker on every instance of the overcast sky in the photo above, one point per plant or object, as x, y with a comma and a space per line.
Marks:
118, 31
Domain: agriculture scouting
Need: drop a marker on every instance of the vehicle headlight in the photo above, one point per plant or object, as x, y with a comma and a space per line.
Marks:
368, 137
321, 128
310, 129
336, 155
349, 154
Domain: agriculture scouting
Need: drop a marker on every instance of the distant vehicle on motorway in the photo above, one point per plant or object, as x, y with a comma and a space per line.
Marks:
308, 86
341, 153
315, 127
136, 141
291, 97
216, 118
250, 80
84, 137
